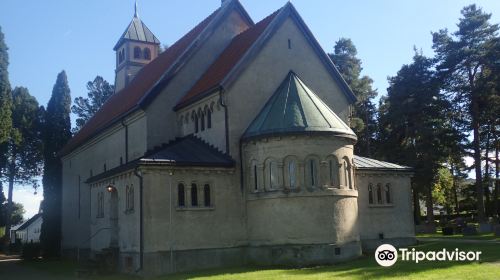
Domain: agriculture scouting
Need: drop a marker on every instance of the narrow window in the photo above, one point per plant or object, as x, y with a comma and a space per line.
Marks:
195, 124
273, 175
289, 44
131, 198
147, 54
202, 122
209, 119
379, 194
206, 195
312, 170
137, 52
388, 198
292, 174
255, 184
370, 193
127, 198
194, 195
105, 168
181, 197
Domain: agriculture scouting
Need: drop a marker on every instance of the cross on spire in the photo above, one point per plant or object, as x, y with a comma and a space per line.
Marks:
135, 10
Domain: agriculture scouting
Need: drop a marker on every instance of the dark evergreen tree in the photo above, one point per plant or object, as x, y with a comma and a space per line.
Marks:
99, 91
363, 119
23, 148
416, 127
462, 61
57, 132
5, 112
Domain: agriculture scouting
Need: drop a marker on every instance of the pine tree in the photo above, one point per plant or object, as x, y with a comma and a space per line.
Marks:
99, 91
363, 119
56, 133
462, 61
415, 127
23, 148
5, 111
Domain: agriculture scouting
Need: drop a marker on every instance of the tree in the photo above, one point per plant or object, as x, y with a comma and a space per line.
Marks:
57, 132
5, 110
462, 58
24, 146
99, 91
442, 190
415, 127
363, 119
16, 217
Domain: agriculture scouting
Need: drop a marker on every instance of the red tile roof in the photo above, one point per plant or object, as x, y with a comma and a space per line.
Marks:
214, 75
127, 99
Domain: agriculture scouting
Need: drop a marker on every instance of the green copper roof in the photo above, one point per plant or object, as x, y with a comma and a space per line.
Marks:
294, 108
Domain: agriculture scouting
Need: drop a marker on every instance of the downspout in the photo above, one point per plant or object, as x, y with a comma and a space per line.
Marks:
170, 173
126, 140
223, 104
141, 222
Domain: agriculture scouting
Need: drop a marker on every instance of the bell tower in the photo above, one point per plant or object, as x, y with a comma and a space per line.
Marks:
136, 47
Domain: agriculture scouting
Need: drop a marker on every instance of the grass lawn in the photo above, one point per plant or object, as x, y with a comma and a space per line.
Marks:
479, 236
362, 268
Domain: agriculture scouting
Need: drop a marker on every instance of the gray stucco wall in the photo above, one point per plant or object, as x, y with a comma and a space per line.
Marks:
162, 124
393, 220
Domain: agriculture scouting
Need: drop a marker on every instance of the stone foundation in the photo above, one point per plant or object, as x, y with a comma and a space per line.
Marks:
167, 262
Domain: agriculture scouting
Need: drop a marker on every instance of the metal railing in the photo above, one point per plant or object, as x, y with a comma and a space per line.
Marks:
87, 240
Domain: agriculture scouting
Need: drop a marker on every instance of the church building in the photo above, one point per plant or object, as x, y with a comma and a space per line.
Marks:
231, 147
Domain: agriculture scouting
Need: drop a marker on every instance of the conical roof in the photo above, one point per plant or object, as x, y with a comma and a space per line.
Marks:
137, 31
294, 109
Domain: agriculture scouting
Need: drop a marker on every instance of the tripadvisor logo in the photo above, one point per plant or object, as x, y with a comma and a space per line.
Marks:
387, 255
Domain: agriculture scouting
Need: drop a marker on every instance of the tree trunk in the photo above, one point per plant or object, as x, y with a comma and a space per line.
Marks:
496, 201
416, 206
487, 176
8, 214
477, 161
430, 206
455, 189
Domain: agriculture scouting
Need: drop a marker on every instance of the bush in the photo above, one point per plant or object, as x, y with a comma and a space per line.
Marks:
31, 251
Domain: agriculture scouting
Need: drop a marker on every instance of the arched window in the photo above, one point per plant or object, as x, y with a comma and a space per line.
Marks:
202, 121
370, 193
100, 205
147, 53
121, 56
292, 174
129, 198
311, 170
333, 171
194, 195
206, 195
209, 118
137, 52
347, 173
273, 175
195, 123
388, 198
254, 180
379, 194
181, 195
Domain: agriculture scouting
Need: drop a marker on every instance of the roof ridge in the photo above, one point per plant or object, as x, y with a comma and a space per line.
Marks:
220, 68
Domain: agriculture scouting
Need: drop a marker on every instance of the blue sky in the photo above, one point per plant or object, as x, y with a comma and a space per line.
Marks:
48, 36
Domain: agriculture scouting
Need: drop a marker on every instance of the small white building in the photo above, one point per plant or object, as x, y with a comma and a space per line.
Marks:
29, 231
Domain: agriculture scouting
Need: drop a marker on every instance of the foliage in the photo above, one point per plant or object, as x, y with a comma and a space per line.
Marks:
23, 150
99, 91
462, 64
414, 124
56, 134
5, 111
443, 185
16, 216
363, 119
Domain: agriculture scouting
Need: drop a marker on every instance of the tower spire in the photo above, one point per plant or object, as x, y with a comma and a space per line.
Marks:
135, 10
